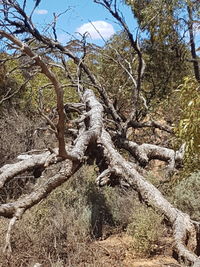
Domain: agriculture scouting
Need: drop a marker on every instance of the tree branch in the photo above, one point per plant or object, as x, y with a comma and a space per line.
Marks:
57, 86
183, 228
147, 152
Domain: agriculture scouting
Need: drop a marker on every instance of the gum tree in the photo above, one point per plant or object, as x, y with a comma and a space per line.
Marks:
100, 130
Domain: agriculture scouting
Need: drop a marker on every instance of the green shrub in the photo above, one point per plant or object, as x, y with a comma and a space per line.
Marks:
187, 195
189, 125
59, 229
146, 230
53, 229
121, 204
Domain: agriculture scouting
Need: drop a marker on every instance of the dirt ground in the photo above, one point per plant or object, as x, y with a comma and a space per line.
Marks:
117, 251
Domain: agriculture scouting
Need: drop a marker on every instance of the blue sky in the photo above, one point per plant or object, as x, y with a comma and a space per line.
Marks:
82, 16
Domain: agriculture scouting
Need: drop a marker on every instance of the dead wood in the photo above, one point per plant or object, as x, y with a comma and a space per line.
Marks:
146, 152
93, 138
183, 228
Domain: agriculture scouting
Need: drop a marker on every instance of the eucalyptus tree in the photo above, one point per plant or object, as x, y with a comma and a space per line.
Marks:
171, 24
170, 29
99, 132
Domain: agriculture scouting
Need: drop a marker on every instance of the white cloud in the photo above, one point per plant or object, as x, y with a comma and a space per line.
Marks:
41, 11
197, 28
96, 29
63, 38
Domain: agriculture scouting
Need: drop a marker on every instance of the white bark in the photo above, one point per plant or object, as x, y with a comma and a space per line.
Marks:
147, 152
8, 171
183, 228
94, 132
68, 166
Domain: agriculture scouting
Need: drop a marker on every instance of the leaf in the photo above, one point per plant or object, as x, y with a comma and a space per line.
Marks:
190, 103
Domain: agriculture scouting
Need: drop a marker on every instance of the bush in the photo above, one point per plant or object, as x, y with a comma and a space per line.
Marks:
187, 195
59, 229
54, 230
189, 126
121, 204
146, 230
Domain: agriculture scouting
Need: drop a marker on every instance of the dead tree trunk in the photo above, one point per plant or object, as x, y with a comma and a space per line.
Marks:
94, 136
184, 230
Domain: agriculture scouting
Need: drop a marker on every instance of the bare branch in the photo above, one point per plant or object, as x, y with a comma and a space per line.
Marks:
50, 122
93, 133
135, 45
103, 178
28, 27
8, 171
57, 86
150, 124
8, 249
147, 152
9, 210
183, 228
9, 95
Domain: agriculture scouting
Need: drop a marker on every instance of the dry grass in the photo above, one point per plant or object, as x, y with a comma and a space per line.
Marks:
78, 225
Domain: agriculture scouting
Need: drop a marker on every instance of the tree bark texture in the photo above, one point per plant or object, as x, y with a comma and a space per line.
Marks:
183, 228
93, 136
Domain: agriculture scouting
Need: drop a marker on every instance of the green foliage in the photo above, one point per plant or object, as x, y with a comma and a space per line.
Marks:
109, 65
11, 78
12, 86
189, 127
156, 16
72, 216
164, 68
146, 229
117, 202
163, 19
40, 90
30, 97
186, 195
163, 47
27, 88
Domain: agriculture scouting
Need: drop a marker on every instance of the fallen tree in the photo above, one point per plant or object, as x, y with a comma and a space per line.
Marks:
99, 132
